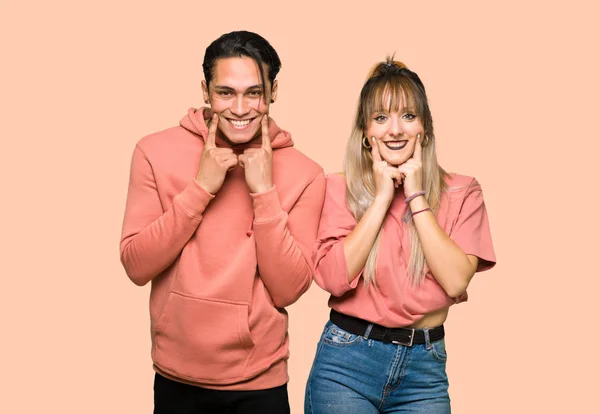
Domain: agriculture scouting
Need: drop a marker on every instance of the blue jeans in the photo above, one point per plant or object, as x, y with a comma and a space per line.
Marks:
352, 374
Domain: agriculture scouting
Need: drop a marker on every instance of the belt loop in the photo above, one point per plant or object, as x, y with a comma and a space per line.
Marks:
427, 341
368, 331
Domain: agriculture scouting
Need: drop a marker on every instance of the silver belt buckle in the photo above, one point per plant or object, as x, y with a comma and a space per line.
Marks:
412, 338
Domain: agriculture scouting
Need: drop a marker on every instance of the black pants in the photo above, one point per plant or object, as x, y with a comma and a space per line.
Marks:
172, 397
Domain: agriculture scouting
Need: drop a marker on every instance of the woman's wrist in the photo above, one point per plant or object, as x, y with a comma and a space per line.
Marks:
380, 202
413, 196
418, 203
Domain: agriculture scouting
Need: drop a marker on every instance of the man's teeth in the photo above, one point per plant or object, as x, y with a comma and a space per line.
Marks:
240, 124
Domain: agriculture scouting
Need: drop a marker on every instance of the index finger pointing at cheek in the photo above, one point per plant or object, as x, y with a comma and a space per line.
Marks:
212, 130
375, 151
418, 149
266, 139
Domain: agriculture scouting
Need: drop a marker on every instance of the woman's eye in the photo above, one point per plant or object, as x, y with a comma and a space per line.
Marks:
380, 118
409, 117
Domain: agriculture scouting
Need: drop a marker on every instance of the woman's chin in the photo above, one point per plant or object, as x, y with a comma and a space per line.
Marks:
395, 160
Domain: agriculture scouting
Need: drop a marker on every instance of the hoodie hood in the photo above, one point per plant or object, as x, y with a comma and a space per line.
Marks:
195, 122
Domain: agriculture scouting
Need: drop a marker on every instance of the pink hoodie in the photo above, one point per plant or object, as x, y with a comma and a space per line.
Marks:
222, 267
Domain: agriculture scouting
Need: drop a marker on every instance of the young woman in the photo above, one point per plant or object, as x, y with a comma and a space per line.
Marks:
398, 243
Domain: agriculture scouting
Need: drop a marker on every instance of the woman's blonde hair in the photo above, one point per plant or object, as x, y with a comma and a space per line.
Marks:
391, 86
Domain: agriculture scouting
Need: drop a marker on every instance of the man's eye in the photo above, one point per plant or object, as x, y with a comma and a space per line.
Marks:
224, 93
255, 94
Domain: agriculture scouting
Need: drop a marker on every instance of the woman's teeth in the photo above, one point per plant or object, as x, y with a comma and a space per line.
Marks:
396, 145
240, 124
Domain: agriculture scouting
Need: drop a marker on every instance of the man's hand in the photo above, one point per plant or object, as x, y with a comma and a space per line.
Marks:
214, 162
258, 162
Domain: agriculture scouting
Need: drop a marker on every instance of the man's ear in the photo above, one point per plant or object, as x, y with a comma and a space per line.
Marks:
274, 92
205, 92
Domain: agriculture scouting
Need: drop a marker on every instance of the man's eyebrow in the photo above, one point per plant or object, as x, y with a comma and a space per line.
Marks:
229, 88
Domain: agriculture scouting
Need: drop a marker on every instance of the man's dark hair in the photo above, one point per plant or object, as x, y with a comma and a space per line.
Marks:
242, 44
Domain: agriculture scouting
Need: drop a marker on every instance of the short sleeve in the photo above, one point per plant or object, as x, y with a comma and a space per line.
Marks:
471, 231
336, 223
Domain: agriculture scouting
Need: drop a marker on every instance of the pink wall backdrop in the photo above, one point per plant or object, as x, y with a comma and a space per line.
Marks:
513, 89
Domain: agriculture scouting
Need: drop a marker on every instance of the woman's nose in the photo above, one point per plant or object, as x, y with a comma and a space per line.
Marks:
395, 127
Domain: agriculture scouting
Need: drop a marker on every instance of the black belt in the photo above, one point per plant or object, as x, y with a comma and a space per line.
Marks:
400, 336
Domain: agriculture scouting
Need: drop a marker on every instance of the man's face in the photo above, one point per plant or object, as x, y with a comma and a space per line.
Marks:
236, 95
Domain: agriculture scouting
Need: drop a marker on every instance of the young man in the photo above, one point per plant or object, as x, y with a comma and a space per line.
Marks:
221, 216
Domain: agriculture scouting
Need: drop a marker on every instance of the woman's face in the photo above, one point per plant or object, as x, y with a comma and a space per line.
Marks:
395, 134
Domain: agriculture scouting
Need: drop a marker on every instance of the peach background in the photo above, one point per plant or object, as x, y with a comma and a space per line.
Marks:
513, 89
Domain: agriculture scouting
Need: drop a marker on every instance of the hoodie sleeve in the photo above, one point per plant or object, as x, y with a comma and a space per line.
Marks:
152, 238
284, 241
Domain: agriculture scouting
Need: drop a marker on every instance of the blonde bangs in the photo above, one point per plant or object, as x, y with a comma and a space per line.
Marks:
390, 94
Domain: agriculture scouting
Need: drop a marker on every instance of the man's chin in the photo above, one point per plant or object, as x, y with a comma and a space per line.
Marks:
239, 137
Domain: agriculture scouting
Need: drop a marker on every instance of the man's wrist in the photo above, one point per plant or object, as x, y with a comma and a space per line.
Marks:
262, 189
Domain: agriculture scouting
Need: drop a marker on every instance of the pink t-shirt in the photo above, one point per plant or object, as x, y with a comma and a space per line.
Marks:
395, 302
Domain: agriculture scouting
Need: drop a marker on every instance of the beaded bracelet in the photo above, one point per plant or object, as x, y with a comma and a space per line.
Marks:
415, 195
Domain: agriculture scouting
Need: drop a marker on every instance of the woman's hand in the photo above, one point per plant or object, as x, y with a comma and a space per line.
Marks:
386, 177
412, 171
